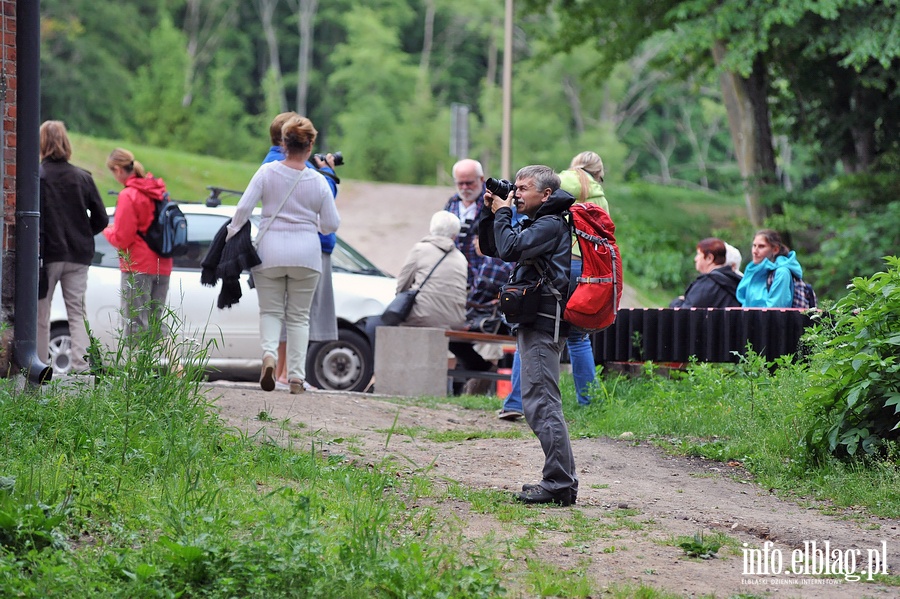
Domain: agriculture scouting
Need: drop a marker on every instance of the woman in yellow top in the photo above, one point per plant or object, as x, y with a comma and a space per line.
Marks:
583, 180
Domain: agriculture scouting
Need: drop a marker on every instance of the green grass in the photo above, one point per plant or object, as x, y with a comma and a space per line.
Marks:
743, 414
186, 175
133, 487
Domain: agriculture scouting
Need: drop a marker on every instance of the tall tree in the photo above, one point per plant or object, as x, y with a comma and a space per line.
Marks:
738, 35
204, 23
266, 10
373, 82
306, 18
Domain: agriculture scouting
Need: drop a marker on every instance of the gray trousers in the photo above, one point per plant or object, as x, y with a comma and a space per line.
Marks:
143, 300
73, 279
542, 404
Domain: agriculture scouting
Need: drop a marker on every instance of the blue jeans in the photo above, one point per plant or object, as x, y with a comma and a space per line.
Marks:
581, 356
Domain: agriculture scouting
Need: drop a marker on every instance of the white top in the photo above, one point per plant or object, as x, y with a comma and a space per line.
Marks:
291, 239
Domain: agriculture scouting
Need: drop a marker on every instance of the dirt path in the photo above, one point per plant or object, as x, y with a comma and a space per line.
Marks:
642, 496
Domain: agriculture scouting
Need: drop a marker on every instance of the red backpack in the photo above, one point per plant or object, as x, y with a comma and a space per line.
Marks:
595, 301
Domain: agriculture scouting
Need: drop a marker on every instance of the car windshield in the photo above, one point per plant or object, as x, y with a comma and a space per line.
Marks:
202, 229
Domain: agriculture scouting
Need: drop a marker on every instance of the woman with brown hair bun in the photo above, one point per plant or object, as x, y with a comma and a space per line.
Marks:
297, 204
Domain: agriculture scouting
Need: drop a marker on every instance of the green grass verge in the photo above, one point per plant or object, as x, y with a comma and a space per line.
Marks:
749, 414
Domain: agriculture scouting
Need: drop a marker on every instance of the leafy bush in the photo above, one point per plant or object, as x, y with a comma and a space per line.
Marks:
856, 391
843, 228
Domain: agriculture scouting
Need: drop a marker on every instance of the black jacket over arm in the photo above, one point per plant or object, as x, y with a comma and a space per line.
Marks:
226, 260
545, 240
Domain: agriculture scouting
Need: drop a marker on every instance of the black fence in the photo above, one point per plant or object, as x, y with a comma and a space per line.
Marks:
709, 334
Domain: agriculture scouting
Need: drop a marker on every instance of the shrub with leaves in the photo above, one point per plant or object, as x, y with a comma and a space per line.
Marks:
856, 390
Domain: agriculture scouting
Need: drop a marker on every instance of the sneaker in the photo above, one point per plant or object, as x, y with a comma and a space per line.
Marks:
511, 415
267, 375
539, 495
572, 490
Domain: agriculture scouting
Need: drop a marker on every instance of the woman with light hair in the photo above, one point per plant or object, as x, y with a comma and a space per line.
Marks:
733, 258
441, 301
297, 205
72, 212
583, 180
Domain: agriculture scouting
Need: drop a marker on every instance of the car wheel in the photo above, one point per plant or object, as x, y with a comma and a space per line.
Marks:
60, 348
343, 365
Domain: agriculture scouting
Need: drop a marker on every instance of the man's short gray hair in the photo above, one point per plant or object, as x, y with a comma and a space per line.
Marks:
445, 224
544, 177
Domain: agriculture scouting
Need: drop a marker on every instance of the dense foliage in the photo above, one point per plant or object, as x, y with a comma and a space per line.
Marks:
856, 392
379, 85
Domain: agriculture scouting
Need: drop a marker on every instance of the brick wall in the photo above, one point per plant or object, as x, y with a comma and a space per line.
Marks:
7, 226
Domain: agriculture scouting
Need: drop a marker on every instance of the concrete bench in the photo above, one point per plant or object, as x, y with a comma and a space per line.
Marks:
412, 361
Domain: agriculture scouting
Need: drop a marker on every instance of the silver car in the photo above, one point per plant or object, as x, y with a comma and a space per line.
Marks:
360, 290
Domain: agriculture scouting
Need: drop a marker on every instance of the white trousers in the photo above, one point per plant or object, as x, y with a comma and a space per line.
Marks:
285, 295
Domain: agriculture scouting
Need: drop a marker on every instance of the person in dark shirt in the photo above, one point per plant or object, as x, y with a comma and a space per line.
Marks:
72, 212
717, 284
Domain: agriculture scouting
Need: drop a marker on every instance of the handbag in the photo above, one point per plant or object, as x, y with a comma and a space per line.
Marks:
398, 310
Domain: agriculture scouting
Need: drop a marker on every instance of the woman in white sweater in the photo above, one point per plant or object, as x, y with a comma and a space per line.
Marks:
297, 204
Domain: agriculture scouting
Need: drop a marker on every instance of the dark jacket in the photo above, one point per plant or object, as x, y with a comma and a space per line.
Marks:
226, 260
715, 289
71, 213
544, 240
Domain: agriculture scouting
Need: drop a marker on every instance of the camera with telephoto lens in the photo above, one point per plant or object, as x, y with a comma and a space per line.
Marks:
338, 158
499, 187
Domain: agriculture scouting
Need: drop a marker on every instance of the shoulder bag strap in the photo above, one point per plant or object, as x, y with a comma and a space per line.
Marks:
422, 284
263, 230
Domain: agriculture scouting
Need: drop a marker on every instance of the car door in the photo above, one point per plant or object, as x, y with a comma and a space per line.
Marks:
227, 334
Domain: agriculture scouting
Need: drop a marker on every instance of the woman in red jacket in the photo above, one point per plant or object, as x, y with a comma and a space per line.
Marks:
145, 275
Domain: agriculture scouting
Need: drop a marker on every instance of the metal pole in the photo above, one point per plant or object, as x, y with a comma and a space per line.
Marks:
505, 141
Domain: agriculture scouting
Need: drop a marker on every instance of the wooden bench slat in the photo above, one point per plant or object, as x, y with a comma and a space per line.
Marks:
478, 337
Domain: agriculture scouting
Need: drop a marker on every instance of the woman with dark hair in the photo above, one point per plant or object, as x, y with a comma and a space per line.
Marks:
717, 283
145, 275
297, 204
769, 279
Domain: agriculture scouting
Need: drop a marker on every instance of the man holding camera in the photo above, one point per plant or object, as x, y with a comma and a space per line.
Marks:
466, 205
541, 248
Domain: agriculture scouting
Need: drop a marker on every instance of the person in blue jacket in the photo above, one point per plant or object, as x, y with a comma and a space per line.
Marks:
768, 279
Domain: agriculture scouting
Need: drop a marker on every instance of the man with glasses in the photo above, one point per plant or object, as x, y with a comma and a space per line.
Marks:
541, 249
466, 204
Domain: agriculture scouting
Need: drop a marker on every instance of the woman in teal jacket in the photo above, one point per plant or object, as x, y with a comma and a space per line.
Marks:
768, 280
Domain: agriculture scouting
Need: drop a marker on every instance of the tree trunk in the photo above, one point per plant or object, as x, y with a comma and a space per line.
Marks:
427, 38
204, 22
306, 15
266, 9
751, 132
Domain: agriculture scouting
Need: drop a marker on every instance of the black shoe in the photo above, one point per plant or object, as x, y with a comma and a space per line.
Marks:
539, 494
572, 490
